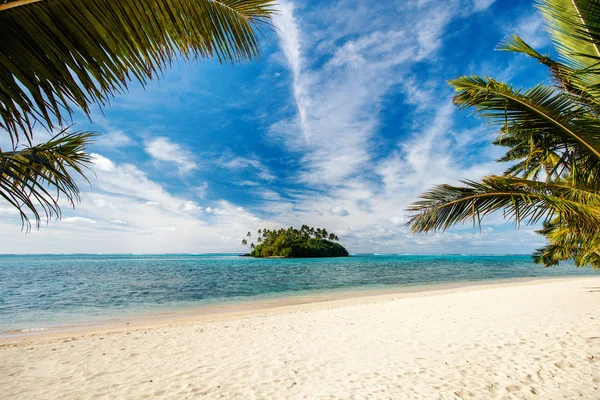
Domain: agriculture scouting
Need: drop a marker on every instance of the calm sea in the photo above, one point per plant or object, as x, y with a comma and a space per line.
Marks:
43, 291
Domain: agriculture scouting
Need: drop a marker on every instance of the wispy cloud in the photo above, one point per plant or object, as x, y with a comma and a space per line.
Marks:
112, 140
261, 171
339, 211
339, 96
530, 27
164, 150
76, 220
482, 4
201, 190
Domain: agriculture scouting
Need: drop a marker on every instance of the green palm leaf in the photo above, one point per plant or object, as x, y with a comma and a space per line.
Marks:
574, 26
58, 55
569, 240
567, 78
541, 114
520, 200
541, 109
34, 179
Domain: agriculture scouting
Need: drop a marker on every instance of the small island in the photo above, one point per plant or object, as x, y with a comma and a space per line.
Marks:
305, 242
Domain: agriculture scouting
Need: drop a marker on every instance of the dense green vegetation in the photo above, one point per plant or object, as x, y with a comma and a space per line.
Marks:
295, 243
552, 132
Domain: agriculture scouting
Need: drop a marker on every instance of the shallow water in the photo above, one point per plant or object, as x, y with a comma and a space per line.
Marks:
45, 291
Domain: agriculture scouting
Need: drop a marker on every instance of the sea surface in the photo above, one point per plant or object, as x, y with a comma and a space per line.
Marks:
39, 292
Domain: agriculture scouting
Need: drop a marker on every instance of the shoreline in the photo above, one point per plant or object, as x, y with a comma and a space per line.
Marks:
535, 338
270, 305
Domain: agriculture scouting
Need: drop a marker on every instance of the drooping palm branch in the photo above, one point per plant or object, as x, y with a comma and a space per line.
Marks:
567, 240
521, 200
57, 56
553, 138
34, 179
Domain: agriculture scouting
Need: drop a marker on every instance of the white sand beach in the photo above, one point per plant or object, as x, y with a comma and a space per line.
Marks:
537, 339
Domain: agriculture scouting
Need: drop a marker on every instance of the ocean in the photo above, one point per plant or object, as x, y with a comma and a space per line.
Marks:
40, 292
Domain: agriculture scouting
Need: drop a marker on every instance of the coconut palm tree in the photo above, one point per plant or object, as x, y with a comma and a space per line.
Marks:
58, 56
552, 133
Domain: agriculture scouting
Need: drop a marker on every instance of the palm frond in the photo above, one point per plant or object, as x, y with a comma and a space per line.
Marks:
541, 114
567, 78
514, 43
574, 26
530, 154
60, 55
569, 240
34, 179
520, 200
540, 108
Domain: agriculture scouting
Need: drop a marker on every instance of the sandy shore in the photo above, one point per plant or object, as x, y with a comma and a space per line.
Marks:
538, 339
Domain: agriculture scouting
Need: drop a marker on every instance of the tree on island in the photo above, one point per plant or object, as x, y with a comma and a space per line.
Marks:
552, 133
305, 242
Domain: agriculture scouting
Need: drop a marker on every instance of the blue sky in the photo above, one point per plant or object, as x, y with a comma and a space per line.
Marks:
343, 121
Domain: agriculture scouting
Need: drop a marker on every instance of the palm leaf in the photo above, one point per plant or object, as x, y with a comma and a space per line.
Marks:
569, 240
541, 114
58, 55
574, 26
521, 200
561, 72
567, 78
34, 179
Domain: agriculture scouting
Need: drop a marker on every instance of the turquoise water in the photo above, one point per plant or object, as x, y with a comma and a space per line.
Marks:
44, 291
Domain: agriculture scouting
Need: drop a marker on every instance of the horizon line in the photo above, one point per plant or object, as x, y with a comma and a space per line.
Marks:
242, 253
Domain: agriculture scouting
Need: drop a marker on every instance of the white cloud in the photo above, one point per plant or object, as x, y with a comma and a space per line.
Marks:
164, 150
76, 220
112, 140
269, 195
247, 183
398, 221
201, 190
482, 4
145, 219
241, 163
531, 29
102, 163
101, 202
190, 206
8, 210
339, 211
165, 228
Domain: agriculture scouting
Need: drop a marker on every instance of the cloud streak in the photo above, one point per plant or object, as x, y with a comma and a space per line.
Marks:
339, 99
162, 149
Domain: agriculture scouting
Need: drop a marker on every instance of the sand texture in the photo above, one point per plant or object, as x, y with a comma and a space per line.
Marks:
539, 339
